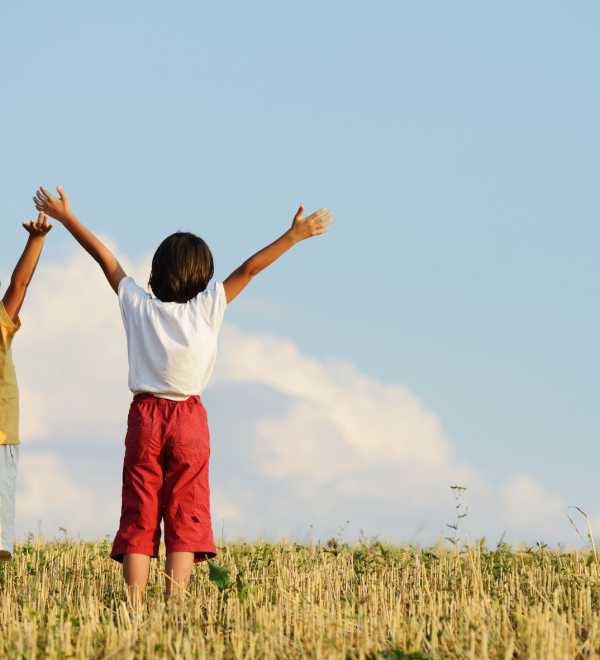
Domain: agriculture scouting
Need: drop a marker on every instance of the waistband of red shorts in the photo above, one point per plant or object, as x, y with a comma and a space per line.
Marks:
145, 396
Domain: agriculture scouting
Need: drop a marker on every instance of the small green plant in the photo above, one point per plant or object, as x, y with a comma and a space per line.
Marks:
500, 546
458, 491
219, 576
244, 587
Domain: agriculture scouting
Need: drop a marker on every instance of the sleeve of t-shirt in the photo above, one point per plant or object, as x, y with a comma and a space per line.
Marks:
129, 294
7, 328
212, 303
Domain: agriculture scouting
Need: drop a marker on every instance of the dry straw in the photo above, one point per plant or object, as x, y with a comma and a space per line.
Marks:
67, 600
589, 528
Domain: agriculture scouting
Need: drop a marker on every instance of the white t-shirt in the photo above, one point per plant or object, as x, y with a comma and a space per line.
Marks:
171, 346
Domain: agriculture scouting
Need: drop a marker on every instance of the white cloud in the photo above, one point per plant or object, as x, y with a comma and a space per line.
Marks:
221, 508
525, 503
341, 425
71, 353
342, 443
48, 494
381, 423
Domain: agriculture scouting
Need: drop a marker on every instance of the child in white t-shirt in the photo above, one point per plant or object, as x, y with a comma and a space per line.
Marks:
172, 346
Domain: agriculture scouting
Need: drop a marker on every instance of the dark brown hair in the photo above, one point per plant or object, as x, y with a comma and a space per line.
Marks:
182, 267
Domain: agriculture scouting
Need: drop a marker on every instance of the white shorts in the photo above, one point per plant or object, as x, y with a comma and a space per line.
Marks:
9, 460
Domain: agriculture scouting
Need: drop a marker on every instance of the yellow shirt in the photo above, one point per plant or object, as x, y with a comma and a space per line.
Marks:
9, 391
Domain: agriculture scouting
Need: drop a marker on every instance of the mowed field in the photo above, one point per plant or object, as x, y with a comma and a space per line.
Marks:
65, 599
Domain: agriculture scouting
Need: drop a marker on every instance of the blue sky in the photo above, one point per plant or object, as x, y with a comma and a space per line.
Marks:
456, 143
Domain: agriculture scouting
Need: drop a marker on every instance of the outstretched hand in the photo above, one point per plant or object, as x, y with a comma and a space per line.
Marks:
313, 225
23, 272
39, 227
57, 208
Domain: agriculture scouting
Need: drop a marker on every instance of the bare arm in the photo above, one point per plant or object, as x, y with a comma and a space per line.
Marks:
313, 225
25, 268
60, 210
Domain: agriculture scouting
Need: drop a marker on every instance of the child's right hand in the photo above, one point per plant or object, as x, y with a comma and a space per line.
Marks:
58, 209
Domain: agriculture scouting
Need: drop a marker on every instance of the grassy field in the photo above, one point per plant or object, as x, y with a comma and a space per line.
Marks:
66, 599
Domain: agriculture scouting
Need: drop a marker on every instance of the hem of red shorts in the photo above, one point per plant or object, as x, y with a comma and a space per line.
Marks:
203, 556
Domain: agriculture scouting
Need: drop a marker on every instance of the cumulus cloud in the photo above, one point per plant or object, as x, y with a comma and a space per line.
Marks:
525, 502
341, 425
295, 440
71, 353
48, 494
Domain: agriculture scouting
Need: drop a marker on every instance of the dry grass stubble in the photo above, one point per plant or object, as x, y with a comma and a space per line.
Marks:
66, 600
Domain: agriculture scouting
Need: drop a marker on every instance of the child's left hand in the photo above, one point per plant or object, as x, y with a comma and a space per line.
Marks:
39, 227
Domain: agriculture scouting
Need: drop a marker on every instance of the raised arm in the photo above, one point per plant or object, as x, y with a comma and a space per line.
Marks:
25, 268
313, 225
60, 210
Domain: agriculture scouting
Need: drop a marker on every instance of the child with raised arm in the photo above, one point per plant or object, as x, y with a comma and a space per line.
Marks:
10, 306
171, 346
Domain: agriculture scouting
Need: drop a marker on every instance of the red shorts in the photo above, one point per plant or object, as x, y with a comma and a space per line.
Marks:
165, 477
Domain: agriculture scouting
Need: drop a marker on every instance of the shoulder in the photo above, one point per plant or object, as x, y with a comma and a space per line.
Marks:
216, 295
129, 289
212, 303
131, 295
8, 328
6, 323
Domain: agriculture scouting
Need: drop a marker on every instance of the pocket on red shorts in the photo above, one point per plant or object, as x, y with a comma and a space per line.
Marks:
189, 431
138, 441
